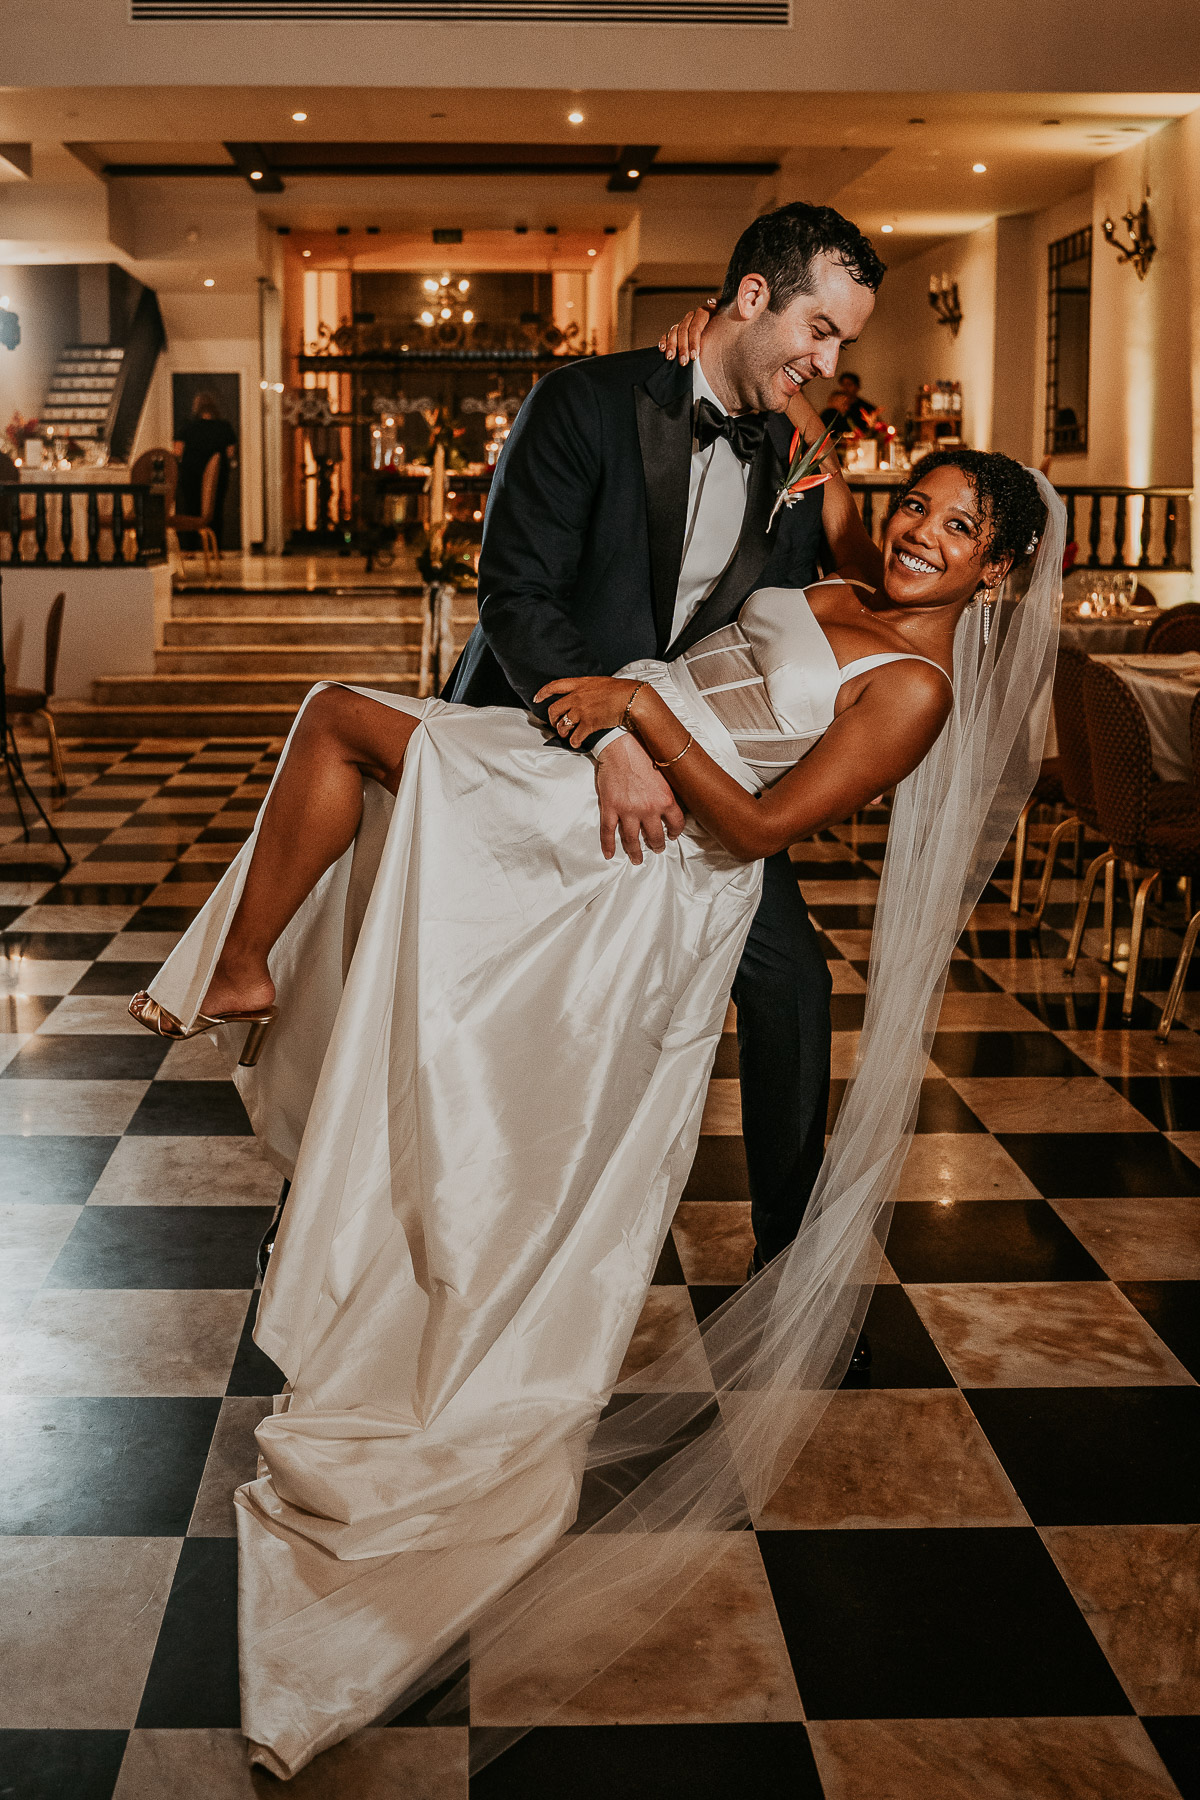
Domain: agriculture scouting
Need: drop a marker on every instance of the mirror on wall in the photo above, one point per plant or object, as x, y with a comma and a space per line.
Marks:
1068, 341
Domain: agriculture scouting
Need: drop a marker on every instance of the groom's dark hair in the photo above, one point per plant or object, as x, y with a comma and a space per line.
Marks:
780, 246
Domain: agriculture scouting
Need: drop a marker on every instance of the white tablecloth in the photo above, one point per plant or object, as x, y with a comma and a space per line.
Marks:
1104, 637
1164, 687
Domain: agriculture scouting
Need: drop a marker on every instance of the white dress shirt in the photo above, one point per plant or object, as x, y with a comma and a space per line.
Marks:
717, 484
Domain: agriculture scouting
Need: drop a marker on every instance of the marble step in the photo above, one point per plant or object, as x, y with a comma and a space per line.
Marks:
260, 631
273, 691
201, 603
85, 719
342, 662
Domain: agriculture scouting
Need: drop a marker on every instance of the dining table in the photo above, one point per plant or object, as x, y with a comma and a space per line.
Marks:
1164, 686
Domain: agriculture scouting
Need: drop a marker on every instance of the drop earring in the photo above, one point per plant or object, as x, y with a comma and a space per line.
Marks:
986, 602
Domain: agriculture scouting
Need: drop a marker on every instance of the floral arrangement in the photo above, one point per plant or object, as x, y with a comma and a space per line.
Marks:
803, 459
16, 433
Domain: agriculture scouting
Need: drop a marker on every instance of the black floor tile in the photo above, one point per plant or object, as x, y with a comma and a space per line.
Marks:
719, 1171
1172, 1308
223, 834
116, 978
964, 978
161, 1247
846, 1011
1097, 1456
843, 917
668, 1762
706, 1297
9, 913
55, 946
192, 1684
162, 918
135, 853
1091, 1012
1172, 1102
196, 871
1177, 1741
987, 1240
679, 1419
668, 1271
1084, 1165
189, 1109
974, 1623
25, 1012
903, 1355
1010, 941
99, 893
253, 1372
52, 1171
60, 1765
61, 1056
1005, 1053
102, 1467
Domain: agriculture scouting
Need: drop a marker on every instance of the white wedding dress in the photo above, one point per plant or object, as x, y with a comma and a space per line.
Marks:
486, 1083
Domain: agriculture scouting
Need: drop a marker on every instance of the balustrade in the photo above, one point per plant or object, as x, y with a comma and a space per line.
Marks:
122, 523
1113, 527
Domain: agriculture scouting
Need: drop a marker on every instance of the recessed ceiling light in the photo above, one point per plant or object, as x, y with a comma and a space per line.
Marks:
591, 253
209, 282
633, 174
306, 253
575, 117
887, 228
256, 174
979, 168
299, 117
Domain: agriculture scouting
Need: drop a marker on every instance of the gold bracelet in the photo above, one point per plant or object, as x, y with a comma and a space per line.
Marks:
625, 719
674, 759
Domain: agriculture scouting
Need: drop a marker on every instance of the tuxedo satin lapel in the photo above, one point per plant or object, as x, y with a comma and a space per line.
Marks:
664, 424
754, 546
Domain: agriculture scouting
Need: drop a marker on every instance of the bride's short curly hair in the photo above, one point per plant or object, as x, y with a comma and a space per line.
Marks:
780, 246
1012, 512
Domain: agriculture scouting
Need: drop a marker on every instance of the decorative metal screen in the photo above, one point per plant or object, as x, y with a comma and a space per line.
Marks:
720, 13
1068, 342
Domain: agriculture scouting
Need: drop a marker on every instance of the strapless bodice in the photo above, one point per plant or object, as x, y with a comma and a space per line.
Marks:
772, 679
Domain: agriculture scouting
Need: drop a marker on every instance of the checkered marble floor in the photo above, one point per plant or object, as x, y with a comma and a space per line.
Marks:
981, 1579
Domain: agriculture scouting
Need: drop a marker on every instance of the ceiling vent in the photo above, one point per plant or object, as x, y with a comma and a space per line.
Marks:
737, 14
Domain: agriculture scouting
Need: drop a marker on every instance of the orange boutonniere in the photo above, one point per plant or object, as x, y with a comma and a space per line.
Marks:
802, 460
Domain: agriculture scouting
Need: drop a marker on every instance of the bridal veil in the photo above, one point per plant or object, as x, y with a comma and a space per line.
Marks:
692, 1447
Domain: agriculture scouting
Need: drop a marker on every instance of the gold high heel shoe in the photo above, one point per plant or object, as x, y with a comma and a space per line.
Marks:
157, 1019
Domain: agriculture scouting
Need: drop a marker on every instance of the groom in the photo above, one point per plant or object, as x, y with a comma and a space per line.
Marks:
628, 518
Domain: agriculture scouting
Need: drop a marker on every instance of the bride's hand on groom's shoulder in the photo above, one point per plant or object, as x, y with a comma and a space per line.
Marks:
683, 340
581, 705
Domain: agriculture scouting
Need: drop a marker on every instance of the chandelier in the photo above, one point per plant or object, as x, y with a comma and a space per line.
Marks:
446, 301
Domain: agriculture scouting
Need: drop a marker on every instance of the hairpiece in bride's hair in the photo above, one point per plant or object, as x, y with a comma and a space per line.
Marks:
718, 1421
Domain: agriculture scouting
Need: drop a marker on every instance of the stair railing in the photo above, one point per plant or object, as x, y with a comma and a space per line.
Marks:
122, 523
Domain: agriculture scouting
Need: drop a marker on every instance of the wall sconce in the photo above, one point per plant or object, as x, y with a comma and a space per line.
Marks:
943, 297
1141, 246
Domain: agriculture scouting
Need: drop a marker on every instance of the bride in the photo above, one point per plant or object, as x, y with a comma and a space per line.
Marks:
479, 1048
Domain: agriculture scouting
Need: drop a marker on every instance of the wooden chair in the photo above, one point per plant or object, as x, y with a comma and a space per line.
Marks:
35, 702
203, 522
1123, 782
1175, 994
1177, 629
1073, 772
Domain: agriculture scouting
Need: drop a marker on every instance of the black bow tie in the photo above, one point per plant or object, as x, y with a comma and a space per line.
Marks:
743, 434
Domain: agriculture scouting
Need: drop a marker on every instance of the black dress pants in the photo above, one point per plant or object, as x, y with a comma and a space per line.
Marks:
781, 992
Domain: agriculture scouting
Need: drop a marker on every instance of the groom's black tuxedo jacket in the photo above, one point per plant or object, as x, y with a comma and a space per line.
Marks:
585, 525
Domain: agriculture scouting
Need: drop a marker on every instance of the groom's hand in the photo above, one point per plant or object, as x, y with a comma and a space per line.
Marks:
635, 801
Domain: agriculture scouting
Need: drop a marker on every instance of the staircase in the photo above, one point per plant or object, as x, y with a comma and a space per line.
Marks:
81, 399
236, 662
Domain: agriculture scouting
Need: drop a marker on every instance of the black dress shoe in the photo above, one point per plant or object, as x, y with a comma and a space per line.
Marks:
268, 1238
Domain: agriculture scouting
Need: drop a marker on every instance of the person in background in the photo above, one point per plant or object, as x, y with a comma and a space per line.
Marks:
206, 435
848, 411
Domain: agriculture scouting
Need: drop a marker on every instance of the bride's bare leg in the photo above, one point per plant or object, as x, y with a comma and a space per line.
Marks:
309, 822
